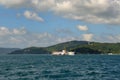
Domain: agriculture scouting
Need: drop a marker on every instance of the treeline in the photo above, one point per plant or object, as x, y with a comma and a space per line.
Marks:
94, 47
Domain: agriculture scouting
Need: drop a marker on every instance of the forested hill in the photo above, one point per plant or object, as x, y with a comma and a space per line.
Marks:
31, 50
80, 47
66, 45
94, 47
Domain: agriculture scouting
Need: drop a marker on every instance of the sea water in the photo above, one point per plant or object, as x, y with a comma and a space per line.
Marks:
48, 67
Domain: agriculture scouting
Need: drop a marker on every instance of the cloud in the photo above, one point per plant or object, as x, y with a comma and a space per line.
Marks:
11, 37
82, 28
20, 31
87, 37
32, 16
94, 11
40, 5
63, 7
107, 38
4, 31
13, 3
21, 37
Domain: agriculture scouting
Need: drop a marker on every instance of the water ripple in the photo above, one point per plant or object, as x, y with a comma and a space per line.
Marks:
47, 67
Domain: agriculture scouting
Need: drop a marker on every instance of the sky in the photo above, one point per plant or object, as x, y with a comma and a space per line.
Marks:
41, 23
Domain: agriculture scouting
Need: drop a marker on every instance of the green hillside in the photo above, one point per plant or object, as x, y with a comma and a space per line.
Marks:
66, 45
31, 50
80, 47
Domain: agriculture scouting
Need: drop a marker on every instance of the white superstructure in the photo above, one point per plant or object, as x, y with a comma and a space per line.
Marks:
63, 52
110, 53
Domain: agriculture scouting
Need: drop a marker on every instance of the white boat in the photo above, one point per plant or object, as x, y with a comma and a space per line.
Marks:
63, 52
110, 53
71, 53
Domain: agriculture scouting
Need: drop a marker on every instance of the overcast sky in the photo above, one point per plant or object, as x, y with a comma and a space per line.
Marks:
25, 23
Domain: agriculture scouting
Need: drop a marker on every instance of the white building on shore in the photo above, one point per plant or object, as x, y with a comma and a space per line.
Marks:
63, 52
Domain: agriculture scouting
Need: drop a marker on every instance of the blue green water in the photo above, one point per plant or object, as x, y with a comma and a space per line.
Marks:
48, 67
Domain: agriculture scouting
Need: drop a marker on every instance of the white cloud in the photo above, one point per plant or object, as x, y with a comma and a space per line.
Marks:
36, 4
63, 7
87, 37
15, 40
42, 5
94, 11
4, 31
107, 38
21, 37
12, 3
33, 16
82, 28
20, 31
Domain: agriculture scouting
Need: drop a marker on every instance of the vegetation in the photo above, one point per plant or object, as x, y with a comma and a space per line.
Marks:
66, 45
80, 47
31, 50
